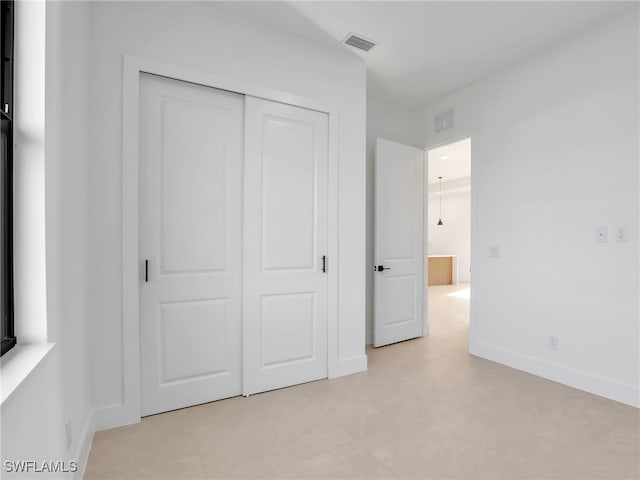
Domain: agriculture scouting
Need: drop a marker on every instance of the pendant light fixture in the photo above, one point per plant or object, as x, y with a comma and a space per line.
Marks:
440, 222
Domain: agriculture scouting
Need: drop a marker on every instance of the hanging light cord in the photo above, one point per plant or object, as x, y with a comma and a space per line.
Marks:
440, 178
440, 222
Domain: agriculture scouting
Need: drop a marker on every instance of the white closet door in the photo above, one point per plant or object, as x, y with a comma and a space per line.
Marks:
285, 288
191, 234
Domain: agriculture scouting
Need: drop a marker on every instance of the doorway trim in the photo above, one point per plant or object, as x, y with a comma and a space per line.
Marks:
473, 234
130, 409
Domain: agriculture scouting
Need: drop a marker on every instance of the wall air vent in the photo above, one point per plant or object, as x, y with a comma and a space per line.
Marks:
359, 42
444, 120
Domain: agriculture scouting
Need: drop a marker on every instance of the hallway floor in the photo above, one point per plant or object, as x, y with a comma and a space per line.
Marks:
425, 409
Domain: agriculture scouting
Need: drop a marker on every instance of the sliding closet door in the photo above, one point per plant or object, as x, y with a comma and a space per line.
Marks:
285, 228
190, 243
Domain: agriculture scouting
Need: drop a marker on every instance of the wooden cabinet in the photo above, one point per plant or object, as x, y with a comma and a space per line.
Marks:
442, 269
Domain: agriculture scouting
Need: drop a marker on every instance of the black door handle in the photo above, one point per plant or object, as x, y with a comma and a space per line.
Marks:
382, 268
324, 264
146, 270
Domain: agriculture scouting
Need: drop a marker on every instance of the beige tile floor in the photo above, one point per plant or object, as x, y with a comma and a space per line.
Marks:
425, 409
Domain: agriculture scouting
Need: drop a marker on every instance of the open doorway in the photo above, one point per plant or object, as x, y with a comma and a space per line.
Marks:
448, 247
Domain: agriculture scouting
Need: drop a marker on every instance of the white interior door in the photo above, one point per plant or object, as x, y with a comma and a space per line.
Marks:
191, 235
285, 287
399, 264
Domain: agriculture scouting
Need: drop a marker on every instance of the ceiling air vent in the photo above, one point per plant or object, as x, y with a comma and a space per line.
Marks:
359, 42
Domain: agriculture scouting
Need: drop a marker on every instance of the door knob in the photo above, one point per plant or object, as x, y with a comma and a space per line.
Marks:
382, 268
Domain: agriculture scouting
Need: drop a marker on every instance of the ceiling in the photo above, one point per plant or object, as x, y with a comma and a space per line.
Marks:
427, 49
456, 165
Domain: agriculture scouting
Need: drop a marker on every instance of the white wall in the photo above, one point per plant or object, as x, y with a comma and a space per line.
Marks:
454, 237
67, 215
51, 196
555, 154
391, 123
32, 422
200, 37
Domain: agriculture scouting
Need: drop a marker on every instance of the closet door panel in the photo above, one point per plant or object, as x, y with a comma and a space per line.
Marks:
191, 154
285, 287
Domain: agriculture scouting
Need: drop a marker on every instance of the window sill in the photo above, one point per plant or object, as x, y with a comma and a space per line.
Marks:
17, 364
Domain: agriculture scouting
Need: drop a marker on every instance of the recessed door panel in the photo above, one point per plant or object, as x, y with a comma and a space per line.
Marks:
398, 208
192, 340
193, 194
191, 151
288, 172
287, 329
400, 291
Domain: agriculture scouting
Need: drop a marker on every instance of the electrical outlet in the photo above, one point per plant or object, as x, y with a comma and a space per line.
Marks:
622, 234
67, 431
602, 234
494, 251
554, 342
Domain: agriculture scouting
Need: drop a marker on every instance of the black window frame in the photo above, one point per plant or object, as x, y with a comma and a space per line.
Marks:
7, 9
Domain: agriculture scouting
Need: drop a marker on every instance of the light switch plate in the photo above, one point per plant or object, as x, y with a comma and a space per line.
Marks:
602, 234
494, 251
622, 233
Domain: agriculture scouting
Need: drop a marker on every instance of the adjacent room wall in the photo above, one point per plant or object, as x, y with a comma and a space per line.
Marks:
391, 123
454, 237
555, 155
201, 37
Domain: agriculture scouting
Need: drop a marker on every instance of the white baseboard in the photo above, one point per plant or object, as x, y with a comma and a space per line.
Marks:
347, 366
102, 418
602, 386
81, 455
111, 416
